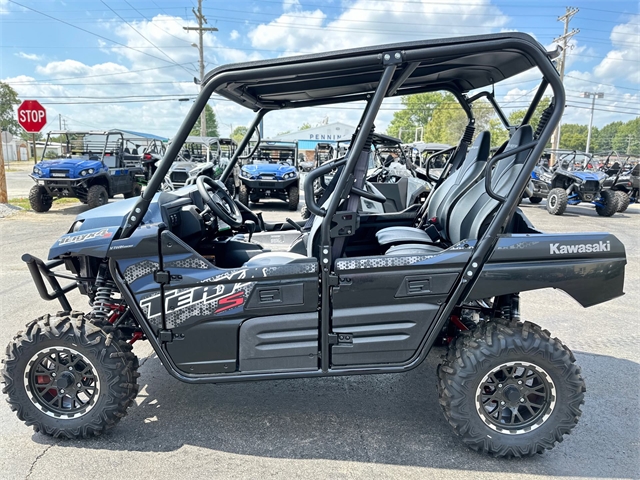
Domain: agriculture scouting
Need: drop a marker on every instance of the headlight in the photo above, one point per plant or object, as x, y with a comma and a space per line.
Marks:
83, 173
76, 226
37, 171
289, 175
91, 170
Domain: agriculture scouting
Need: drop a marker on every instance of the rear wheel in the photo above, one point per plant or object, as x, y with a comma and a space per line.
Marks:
39, 199
557, 201
623, 200
68, 378
294, 197
97, 196
136, 192
510, 390
243, 195
535, 200
607, 206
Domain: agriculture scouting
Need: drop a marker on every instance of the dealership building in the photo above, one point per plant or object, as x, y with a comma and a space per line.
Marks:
308, 139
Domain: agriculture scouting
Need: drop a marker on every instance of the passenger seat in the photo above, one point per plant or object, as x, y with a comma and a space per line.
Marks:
442, 199
472, 212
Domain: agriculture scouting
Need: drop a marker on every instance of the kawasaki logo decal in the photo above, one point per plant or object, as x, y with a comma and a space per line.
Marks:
558, 249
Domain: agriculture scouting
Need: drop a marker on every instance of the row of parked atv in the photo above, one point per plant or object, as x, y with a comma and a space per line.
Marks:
577, 177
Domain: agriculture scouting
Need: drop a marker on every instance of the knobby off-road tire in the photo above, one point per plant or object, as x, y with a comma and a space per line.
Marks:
294, 197
95, 366
39, 199
136, 192
623, 201
557, 201
304, 212
243, 195
609, 202
97, 196
231, 187
472, 381
535, 200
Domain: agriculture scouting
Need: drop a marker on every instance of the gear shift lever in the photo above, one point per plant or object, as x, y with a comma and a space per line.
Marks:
250, 226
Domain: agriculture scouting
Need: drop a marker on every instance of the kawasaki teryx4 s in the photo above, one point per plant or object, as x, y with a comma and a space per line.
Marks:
356, 293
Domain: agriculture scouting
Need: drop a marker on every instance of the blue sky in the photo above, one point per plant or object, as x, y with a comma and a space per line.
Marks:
125, 63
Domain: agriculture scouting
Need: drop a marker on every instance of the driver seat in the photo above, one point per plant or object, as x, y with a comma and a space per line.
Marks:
269, 259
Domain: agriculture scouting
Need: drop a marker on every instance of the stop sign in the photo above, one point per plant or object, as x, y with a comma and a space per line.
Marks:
32, 116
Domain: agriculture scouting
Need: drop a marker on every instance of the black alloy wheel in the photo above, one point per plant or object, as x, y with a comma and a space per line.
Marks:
515, 397
62, 382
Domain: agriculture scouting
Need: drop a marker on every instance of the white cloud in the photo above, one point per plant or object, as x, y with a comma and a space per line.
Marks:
3, 7
29, 56
623, 62
371, 22
234, 35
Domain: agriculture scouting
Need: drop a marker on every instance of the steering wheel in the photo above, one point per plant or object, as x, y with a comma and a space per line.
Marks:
215, 195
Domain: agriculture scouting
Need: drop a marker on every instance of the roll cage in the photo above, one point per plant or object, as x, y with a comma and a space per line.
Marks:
371, 74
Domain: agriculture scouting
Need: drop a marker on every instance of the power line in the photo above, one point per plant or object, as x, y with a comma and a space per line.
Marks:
86, 31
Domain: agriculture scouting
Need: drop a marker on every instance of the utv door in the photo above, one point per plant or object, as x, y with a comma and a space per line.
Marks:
244, 319
384, 305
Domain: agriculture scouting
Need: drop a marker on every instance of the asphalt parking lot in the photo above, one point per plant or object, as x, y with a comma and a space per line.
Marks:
387, 426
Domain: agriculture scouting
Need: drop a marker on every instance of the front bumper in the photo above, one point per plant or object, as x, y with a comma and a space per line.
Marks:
60, 182
40, 271
262, 184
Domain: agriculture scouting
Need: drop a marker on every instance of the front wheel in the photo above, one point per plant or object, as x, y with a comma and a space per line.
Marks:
607, 206
294, 197
243, 195
510, 390
623, 200
68, 378
97, 196
39, 199
557, 201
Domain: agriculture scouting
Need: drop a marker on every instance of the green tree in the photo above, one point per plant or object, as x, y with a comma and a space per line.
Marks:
238, 133
212, 124
8, 98
602, 138
627, 138
27, 137
499, 134
417, 112
573, 137
305, 126
449, 120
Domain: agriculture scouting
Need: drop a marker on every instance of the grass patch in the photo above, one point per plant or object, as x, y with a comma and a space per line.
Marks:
23, 202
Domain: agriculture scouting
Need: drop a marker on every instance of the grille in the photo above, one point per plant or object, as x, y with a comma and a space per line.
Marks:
179, 177
268, 176
591, 186
59, 173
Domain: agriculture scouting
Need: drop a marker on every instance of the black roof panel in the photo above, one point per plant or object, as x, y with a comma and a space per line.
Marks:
460, 64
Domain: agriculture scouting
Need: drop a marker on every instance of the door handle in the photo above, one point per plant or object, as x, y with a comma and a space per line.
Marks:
271, 295
418, 286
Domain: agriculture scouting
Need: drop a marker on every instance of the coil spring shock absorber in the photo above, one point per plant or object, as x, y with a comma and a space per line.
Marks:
103, 302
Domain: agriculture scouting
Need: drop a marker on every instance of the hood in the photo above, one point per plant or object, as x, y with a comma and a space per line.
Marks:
69, 163
277, 168
587, 176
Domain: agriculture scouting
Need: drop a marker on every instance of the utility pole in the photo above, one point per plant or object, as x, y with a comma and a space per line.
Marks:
3, 178
201, 29
563, 40
59, 121
593, 96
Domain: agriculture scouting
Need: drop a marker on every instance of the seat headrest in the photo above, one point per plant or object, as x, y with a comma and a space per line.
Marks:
479, 150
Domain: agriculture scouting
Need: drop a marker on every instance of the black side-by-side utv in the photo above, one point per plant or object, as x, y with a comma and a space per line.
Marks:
355, 293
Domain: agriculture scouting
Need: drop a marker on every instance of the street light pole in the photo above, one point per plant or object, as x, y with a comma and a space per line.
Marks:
200, 29
593, 96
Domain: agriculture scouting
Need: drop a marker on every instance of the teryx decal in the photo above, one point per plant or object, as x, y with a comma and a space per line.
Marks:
104, 233
209, 299
557, 249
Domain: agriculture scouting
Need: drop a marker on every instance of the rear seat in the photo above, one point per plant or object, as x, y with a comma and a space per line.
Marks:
473, 210
451, 189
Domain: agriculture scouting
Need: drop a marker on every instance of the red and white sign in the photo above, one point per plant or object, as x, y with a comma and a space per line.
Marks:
32, 116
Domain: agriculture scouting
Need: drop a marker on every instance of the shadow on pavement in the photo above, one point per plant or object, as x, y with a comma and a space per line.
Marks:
385, 419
